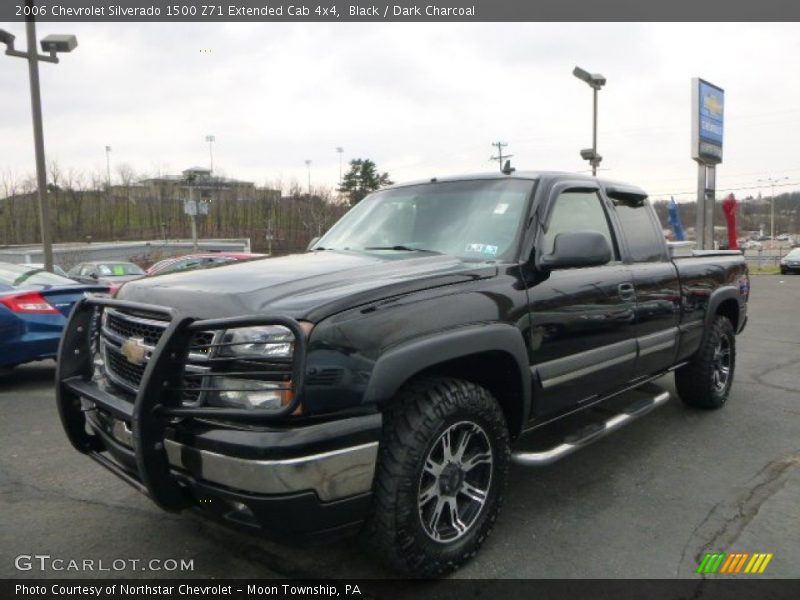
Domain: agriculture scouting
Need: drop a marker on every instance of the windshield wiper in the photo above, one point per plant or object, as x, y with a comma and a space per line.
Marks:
400, 247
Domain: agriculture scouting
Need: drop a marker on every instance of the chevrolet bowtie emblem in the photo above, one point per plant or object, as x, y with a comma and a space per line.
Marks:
134, 350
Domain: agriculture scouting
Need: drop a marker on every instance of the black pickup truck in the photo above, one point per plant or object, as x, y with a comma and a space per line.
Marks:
384, 381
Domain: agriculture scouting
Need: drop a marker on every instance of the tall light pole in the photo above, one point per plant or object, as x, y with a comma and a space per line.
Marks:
340, 151
596, 82
211, 139
772, 181
308, 166
108, 166
52, 44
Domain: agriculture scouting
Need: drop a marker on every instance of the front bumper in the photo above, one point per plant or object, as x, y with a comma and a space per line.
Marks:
288, 482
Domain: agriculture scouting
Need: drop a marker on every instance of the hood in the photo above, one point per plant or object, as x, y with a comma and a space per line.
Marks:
305, 286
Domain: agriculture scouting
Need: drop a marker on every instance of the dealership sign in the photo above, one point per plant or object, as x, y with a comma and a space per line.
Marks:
708, 112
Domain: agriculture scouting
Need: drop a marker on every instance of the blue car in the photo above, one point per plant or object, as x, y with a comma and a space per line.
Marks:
34, 306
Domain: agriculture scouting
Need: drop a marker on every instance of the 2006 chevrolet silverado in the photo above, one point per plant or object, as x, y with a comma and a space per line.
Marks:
385, 380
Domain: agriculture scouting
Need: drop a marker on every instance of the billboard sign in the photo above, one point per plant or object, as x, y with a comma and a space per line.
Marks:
708, 117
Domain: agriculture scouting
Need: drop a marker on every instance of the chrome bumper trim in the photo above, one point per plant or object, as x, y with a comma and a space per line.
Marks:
332, 475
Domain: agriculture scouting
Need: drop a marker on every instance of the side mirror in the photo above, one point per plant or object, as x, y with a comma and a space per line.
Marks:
311, 244
94, 275
577, 249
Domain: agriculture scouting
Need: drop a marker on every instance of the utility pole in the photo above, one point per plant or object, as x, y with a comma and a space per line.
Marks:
772, 181
308, 166
500, 156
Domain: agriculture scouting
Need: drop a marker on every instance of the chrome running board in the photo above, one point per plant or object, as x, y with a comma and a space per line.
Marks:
597, 431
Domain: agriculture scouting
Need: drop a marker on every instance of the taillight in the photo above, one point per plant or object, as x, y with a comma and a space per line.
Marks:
29, 302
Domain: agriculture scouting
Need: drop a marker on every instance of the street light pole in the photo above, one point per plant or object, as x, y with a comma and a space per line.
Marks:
594, 132
193, 217
340, 151
596, 82
51, 44
108, 166
211, 139
38, 142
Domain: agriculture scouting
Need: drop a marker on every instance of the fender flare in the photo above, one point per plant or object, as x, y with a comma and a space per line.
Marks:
400, 363
717, 297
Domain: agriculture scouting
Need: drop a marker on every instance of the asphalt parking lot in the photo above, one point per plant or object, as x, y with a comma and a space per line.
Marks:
646, 502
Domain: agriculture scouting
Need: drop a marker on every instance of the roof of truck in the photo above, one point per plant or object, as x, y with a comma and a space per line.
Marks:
533, 175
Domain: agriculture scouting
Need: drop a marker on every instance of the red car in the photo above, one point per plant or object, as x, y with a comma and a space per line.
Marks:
190, 262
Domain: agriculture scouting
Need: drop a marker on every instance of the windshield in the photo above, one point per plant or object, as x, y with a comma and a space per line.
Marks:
794, 254
24, 276
119, 269
474, 220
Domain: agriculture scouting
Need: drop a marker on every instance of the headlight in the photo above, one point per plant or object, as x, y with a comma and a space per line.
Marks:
269, 341
232, 392
259, 382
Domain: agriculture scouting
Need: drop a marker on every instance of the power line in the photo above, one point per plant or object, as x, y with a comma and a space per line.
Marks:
734, 189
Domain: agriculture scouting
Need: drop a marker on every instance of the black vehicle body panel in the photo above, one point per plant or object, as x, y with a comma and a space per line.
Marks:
549, 342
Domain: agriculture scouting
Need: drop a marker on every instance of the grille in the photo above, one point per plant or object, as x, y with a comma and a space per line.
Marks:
126, 326
122, 368
201, 342
130, 327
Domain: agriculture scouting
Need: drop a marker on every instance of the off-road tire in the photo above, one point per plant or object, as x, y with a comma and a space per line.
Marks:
695, 381
413, 425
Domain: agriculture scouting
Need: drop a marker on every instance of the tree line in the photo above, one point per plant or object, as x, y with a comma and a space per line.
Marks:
85, 208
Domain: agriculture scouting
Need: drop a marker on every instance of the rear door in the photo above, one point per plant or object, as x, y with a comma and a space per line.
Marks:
656, 283
583, 341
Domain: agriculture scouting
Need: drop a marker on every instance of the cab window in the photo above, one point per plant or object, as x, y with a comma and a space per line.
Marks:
645, 241
578, 210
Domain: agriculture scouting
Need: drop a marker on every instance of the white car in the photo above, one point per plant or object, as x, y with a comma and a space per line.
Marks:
751, 245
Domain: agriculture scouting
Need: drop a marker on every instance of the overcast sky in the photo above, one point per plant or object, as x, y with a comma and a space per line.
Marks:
419, 99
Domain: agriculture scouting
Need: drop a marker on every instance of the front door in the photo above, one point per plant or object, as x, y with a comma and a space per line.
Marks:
583, 337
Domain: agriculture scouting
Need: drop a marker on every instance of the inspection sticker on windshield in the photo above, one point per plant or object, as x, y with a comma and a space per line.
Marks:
482, 249
500, 209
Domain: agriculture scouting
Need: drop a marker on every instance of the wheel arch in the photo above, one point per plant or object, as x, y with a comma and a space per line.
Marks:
492, 356
724, 302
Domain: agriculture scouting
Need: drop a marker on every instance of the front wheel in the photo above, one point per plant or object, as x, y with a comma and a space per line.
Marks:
442, 470
705, 381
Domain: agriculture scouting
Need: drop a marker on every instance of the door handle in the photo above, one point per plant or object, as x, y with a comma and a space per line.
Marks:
626, 291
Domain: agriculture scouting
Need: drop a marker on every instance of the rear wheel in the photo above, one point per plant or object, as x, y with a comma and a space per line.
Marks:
442, 470
706, 380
